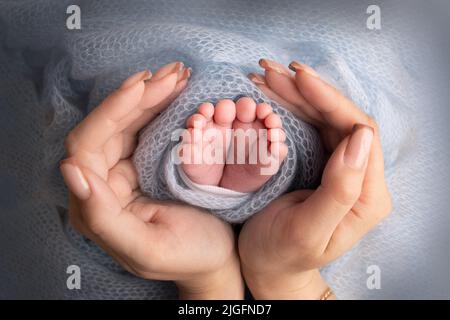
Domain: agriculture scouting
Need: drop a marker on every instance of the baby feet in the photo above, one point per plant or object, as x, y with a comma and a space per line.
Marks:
234, 146
207, 142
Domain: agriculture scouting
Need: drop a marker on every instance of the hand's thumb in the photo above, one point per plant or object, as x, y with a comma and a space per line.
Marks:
98, 202
342, 182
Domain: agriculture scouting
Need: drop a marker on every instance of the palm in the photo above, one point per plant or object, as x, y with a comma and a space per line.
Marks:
267, 235
184, 235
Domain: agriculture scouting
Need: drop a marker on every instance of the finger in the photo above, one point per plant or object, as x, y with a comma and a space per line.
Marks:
155, 92
101, 124
80, 226
142, 75
119, 229
282, 82
374, 206
336, 109
341, 113
102, 219
146, 105
103, 206
168, 69
260, 82
79, 190
130, 133
75, 215
376, 201
123, 144
150, 113
74, 178
340, 188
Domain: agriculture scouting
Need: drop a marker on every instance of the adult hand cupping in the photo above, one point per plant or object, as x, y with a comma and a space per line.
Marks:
282, 247
154, 240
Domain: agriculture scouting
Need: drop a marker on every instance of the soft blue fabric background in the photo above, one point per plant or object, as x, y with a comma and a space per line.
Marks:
50, 77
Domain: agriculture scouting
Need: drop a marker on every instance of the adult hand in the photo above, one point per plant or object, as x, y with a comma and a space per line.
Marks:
153, 240
282, 247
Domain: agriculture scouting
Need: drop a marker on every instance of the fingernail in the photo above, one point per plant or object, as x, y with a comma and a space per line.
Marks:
269, 65
75, 179
257, 78
168, 69
185, 75
147, 75
135, 78
178, 67
297, 67
358, 146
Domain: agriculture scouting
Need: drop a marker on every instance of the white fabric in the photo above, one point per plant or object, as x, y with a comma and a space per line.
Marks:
210, 189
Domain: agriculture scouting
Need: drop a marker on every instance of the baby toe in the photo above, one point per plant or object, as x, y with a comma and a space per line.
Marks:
263, 110
246, 110
197, 120
273, 121
225, 113
207, 110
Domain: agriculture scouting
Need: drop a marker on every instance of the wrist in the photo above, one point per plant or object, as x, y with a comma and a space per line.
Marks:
306, 285
225, 283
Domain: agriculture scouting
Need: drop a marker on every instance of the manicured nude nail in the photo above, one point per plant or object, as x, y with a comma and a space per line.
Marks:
185, 75
147, 75
358, 146
135, 78
257, 78
178, 67
75, 179
269, 65
297, 67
